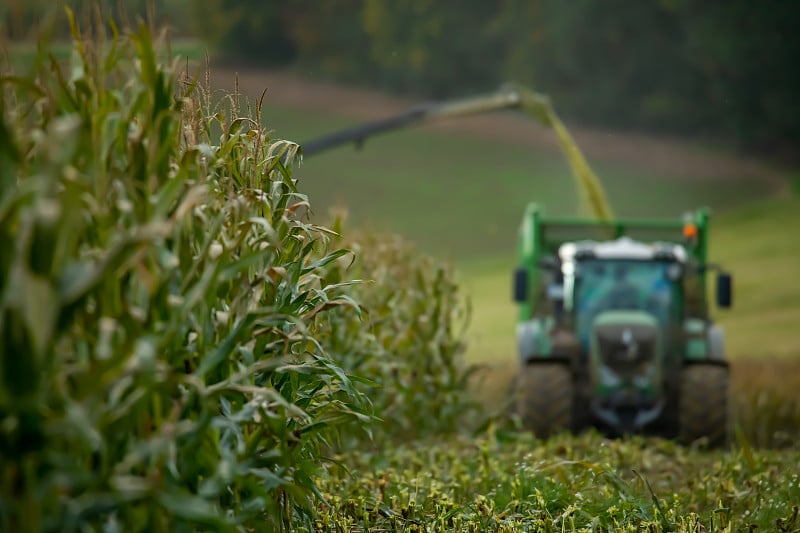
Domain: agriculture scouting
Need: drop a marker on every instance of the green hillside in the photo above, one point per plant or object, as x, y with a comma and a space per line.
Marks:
461, 196
760, 245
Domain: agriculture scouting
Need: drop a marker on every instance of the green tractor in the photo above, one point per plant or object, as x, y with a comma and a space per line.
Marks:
614, 328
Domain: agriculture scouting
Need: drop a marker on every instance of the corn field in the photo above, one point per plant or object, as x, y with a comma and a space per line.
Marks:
183, 350
167, 316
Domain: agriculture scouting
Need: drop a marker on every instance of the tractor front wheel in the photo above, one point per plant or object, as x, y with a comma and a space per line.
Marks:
545, 398
703, 404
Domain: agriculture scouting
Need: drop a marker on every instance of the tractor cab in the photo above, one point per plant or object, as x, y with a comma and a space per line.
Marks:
620, 275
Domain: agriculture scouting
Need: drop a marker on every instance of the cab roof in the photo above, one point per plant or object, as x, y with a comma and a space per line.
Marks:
622, 248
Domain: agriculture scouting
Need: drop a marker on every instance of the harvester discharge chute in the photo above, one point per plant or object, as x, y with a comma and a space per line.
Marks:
593, 197
614, 327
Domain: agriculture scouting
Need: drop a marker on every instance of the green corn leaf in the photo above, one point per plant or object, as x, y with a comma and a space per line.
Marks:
269, 480
39, 308
191, 507
9, 153
131, 487
226, 348
325, 261
242, 265
168, 196
20, 369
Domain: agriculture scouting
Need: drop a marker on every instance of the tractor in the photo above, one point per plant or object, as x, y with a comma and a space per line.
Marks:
614, 328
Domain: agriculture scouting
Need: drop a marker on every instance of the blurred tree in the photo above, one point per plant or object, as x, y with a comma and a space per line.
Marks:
434, 47
21, 18
722, 68
747, 54
518, 25
595, 56
244, 30
725, 68
330, 38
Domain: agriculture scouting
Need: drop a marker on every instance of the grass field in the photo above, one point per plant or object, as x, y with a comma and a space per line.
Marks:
461, 196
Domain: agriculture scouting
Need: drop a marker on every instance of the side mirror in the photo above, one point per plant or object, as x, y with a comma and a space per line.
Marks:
521, 290
724, 290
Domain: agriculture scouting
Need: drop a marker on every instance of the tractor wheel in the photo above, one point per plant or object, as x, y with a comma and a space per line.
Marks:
703, 404
545, 398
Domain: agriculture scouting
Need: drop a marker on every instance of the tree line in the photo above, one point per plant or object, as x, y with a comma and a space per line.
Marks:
725, 69
722, 69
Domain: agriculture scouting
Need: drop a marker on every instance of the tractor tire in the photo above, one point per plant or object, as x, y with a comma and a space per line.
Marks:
703, 405
546, 398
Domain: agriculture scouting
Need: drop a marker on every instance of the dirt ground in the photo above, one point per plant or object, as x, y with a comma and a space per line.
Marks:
660, 155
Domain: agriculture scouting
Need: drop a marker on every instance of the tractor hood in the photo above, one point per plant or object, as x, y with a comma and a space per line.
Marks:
625, 341
626, 367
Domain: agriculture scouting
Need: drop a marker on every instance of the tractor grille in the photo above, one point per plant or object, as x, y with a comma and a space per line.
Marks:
627, 349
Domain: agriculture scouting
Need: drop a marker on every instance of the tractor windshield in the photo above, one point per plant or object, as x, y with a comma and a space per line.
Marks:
603, 284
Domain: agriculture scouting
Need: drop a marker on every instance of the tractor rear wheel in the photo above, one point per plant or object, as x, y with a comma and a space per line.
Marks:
703, 404
545, 398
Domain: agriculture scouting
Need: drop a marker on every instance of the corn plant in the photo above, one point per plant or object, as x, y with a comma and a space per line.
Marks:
158, 296
409, 341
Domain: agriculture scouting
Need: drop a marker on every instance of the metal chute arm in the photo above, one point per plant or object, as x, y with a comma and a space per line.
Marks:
509, 96
359, 133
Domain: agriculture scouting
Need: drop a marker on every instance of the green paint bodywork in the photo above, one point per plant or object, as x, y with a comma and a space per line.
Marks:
695, 332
